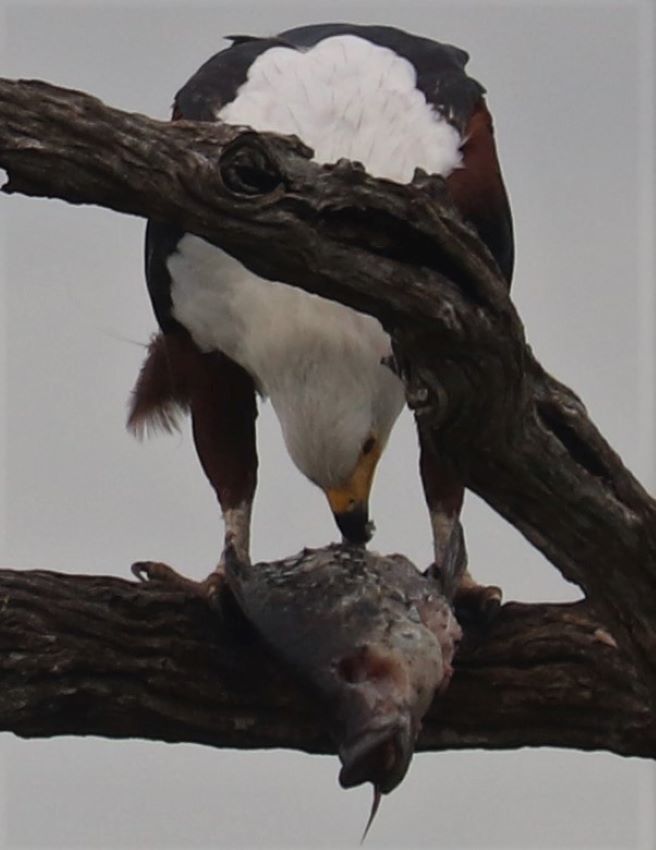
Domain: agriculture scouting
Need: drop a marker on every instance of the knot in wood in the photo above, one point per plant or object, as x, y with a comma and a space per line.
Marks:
247, 168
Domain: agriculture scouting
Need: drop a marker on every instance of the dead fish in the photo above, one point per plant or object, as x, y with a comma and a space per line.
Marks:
370, 634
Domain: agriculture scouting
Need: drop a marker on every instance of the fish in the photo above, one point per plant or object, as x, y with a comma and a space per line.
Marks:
372, 637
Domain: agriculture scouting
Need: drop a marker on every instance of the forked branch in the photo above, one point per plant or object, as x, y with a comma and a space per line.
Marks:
522, 440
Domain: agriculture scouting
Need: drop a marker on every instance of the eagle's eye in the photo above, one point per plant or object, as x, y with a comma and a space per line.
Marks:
368, 445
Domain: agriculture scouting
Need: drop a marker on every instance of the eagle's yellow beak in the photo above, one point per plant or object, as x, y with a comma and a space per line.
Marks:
350, 502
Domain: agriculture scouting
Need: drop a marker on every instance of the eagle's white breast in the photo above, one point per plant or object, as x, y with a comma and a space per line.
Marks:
318, 360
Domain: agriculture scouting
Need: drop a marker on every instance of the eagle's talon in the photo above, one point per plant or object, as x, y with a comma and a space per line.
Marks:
138, 571
147, 571
209, 589
212, 588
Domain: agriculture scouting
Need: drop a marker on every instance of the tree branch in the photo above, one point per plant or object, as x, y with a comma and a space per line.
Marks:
104, 656
522, 440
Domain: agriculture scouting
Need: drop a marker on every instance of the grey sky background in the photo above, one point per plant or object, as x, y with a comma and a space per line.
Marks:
571, 88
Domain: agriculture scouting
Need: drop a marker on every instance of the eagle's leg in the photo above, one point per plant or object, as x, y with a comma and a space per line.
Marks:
221, 398
444, 496
223, 413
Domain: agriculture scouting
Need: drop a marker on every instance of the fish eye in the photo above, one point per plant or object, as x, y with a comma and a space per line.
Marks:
368, 445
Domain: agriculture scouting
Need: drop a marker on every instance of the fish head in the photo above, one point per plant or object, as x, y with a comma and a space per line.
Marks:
385, 691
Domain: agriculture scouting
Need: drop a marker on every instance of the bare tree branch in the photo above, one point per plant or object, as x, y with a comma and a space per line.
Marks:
521, 440
104, 656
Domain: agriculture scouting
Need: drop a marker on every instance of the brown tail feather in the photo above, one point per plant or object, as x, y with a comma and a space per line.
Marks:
161, 394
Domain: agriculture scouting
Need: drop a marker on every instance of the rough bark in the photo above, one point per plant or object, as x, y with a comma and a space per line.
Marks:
104, 656
522, 440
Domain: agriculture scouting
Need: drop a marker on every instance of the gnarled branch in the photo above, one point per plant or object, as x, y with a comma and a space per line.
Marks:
104, 656
521, 440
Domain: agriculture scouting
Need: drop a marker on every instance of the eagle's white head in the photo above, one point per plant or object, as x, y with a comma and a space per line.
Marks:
337, 403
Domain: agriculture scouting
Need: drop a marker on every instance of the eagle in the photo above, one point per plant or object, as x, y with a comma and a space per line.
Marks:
394, 102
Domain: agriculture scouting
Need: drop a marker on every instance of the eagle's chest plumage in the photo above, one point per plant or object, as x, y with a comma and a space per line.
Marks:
281, 335
344, 97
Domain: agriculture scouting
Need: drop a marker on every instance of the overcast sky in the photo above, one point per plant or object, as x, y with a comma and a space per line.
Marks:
570, 86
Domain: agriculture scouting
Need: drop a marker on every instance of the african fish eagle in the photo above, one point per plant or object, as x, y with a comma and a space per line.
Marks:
392, 101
